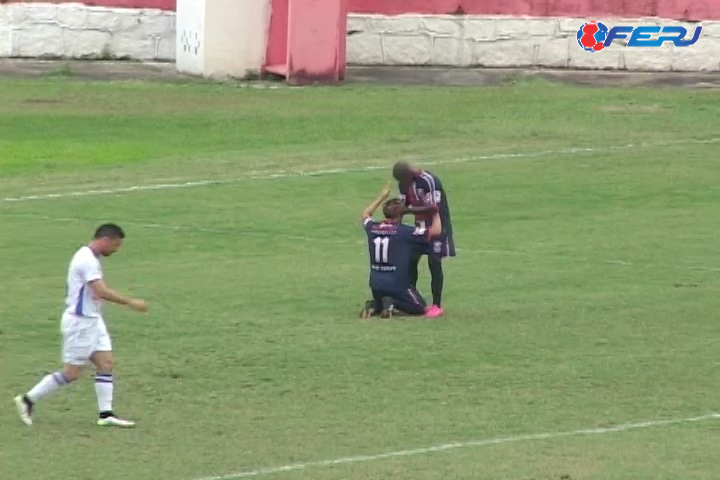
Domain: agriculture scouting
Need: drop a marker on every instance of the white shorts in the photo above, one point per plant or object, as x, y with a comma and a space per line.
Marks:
82, 337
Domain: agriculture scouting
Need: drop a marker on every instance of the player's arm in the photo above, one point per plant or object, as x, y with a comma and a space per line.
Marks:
370, 209
100, 290
422, 234
431, 199
420, 210
436, 227
403, 195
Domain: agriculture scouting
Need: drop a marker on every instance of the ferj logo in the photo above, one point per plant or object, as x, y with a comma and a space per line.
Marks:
595, 36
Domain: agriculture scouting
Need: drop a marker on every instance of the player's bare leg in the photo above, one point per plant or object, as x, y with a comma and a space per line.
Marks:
48, 385
104, 391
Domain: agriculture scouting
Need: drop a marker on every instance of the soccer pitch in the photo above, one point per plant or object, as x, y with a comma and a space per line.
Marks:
582, 303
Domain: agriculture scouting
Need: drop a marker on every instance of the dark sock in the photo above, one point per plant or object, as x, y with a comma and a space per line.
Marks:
414, 263
27, 401
437, 279
106, 414
377, 301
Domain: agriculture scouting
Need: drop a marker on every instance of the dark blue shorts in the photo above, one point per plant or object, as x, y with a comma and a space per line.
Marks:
440, 247
408, 301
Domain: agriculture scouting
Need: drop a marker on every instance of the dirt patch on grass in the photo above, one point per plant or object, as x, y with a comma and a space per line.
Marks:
165, 72
632, 108
41, 101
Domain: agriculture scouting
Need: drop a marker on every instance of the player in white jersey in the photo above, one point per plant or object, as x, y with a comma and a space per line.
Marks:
85, 337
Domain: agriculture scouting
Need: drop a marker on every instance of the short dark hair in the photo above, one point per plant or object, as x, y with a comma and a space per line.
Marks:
401, 170
109, 230
393, 208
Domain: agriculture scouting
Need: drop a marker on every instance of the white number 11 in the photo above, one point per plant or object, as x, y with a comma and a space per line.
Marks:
382, 244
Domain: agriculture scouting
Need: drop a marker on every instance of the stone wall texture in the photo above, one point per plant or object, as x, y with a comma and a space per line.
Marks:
502, 41
79, 31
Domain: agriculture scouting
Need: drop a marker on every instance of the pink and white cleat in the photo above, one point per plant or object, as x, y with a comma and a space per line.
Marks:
434, 311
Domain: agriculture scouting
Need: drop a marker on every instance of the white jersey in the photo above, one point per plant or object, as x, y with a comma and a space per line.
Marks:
84, 268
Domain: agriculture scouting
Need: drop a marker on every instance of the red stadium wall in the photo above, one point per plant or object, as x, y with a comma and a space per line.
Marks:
676, 9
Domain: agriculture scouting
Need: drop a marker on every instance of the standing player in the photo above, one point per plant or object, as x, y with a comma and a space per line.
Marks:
85, 337
391, 246
424, 196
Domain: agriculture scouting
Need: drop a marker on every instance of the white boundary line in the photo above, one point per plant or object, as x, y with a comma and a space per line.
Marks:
336, 171
456, 445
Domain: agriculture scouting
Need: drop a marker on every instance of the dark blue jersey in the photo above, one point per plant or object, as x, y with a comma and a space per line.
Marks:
391, 247
426, 190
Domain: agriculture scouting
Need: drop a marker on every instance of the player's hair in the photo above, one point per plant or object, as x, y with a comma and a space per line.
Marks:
393, 208
109, 230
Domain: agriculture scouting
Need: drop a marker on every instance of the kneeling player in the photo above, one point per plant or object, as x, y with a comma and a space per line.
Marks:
391, 246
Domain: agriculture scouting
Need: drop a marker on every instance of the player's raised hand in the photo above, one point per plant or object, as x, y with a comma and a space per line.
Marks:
138, 305
370, 209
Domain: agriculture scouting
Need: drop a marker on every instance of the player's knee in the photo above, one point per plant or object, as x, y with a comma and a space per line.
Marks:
106, 366
104, 363
71, 373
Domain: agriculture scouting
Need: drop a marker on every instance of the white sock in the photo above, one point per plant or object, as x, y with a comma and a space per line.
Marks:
104, 391
46, 386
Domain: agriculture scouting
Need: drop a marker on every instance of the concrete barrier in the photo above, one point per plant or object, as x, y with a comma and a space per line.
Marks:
505, 41
77, 31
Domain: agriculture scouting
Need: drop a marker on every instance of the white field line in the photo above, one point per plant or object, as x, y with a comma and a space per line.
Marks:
456, 445
109, 191
337, 171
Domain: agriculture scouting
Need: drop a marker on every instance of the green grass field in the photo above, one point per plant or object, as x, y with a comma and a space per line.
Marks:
584, 295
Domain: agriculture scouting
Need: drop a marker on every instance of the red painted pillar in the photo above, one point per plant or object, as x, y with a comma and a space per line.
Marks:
307, 41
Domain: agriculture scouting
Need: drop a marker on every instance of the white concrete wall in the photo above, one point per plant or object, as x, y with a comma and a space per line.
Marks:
190, 36
77, 31
235, 37
221, 38
516, 42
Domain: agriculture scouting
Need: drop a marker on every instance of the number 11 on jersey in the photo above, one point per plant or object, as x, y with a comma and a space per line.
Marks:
382, 245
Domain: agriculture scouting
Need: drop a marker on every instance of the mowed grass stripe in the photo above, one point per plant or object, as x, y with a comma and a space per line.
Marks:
253, 354
309, 172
